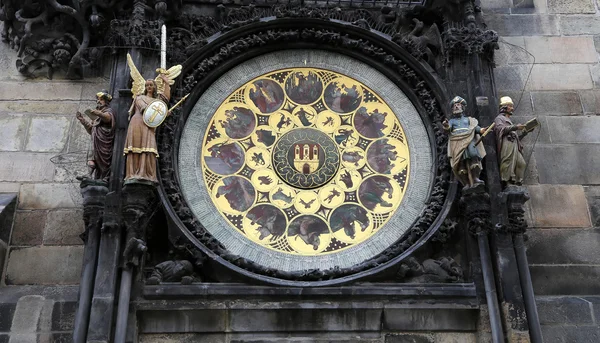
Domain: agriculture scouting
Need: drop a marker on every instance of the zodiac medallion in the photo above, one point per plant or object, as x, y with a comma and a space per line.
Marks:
305, 161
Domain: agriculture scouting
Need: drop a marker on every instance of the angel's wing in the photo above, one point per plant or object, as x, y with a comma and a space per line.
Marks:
139, 84
171, 73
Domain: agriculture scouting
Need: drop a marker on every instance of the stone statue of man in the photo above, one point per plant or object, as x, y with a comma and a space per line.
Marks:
102, 129
508, 144
465, 155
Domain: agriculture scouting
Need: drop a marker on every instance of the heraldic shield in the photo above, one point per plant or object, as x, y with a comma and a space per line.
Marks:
155, 113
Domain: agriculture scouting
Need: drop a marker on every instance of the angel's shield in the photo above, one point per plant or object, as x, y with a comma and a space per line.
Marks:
155, 113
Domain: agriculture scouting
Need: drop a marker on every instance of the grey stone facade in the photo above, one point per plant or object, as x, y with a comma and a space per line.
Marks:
40, 252
563, 176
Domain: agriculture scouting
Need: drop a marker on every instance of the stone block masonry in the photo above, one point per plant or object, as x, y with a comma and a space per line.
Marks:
37, 122
563, 214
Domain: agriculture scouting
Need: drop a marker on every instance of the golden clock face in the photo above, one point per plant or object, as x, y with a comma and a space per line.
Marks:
305, 161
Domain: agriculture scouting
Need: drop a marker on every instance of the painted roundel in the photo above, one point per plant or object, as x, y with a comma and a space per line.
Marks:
305, 161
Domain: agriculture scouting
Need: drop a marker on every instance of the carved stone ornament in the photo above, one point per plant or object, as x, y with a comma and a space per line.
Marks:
258, 112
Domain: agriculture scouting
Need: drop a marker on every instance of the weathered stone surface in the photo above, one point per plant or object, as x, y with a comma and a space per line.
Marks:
27, 314
568, 164
590, 100
39, 106
563, 246
184, 338
63, 316
36, 90
3, 253
7, 312
49, 195
26, 166
47, 134
400, 319
523, 25
579, 25
79, 139
532, 176
9, 187
560, 280
570, 333
511, 51
28, 228
12, 131
44, 265
560, 77
93, 86
512, 77
593, 197
409, 338
8, 205
564, 310
494, 4
183, 321
565, 130
63, 228
305, 320
595, 73
558, 206
556, 103
571, 6
572, 50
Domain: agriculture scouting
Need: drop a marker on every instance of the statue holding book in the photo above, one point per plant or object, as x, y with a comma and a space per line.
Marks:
465, 149
508, 143
100, 124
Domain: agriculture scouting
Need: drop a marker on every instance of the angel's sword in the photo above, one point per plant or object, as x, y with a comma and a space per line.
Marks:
163, 47
163, 61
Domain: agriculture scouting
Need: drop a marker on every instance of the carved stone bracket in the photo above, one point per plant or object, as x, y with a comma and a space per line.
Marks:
468, 40
139, 202
476, 209
516, 197
94, 195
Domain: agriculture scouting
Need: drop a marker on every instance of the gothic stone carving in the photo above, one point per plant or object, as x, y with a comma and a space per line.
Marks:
425, 97
444, 269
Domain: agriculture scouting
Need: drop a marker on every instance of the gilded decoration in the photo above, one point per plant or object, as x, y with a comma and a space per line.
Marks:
305, 161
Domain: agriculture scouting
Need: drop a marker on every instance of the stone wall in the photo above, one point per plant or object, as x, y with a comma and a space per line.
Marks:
37, 123
561, 89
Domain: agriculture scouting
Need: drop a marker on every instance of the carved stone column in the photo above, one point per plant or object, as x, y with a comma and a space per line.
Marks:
516, 197
139, 201
476, 209
94, 196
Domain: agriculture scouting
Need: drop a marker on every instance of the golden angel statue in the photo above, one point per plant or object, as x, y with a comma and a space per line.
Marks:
148, 110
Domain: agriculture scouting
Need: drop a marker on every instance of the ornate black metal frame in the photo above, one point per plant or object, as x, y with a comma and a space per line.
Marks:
257, 37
